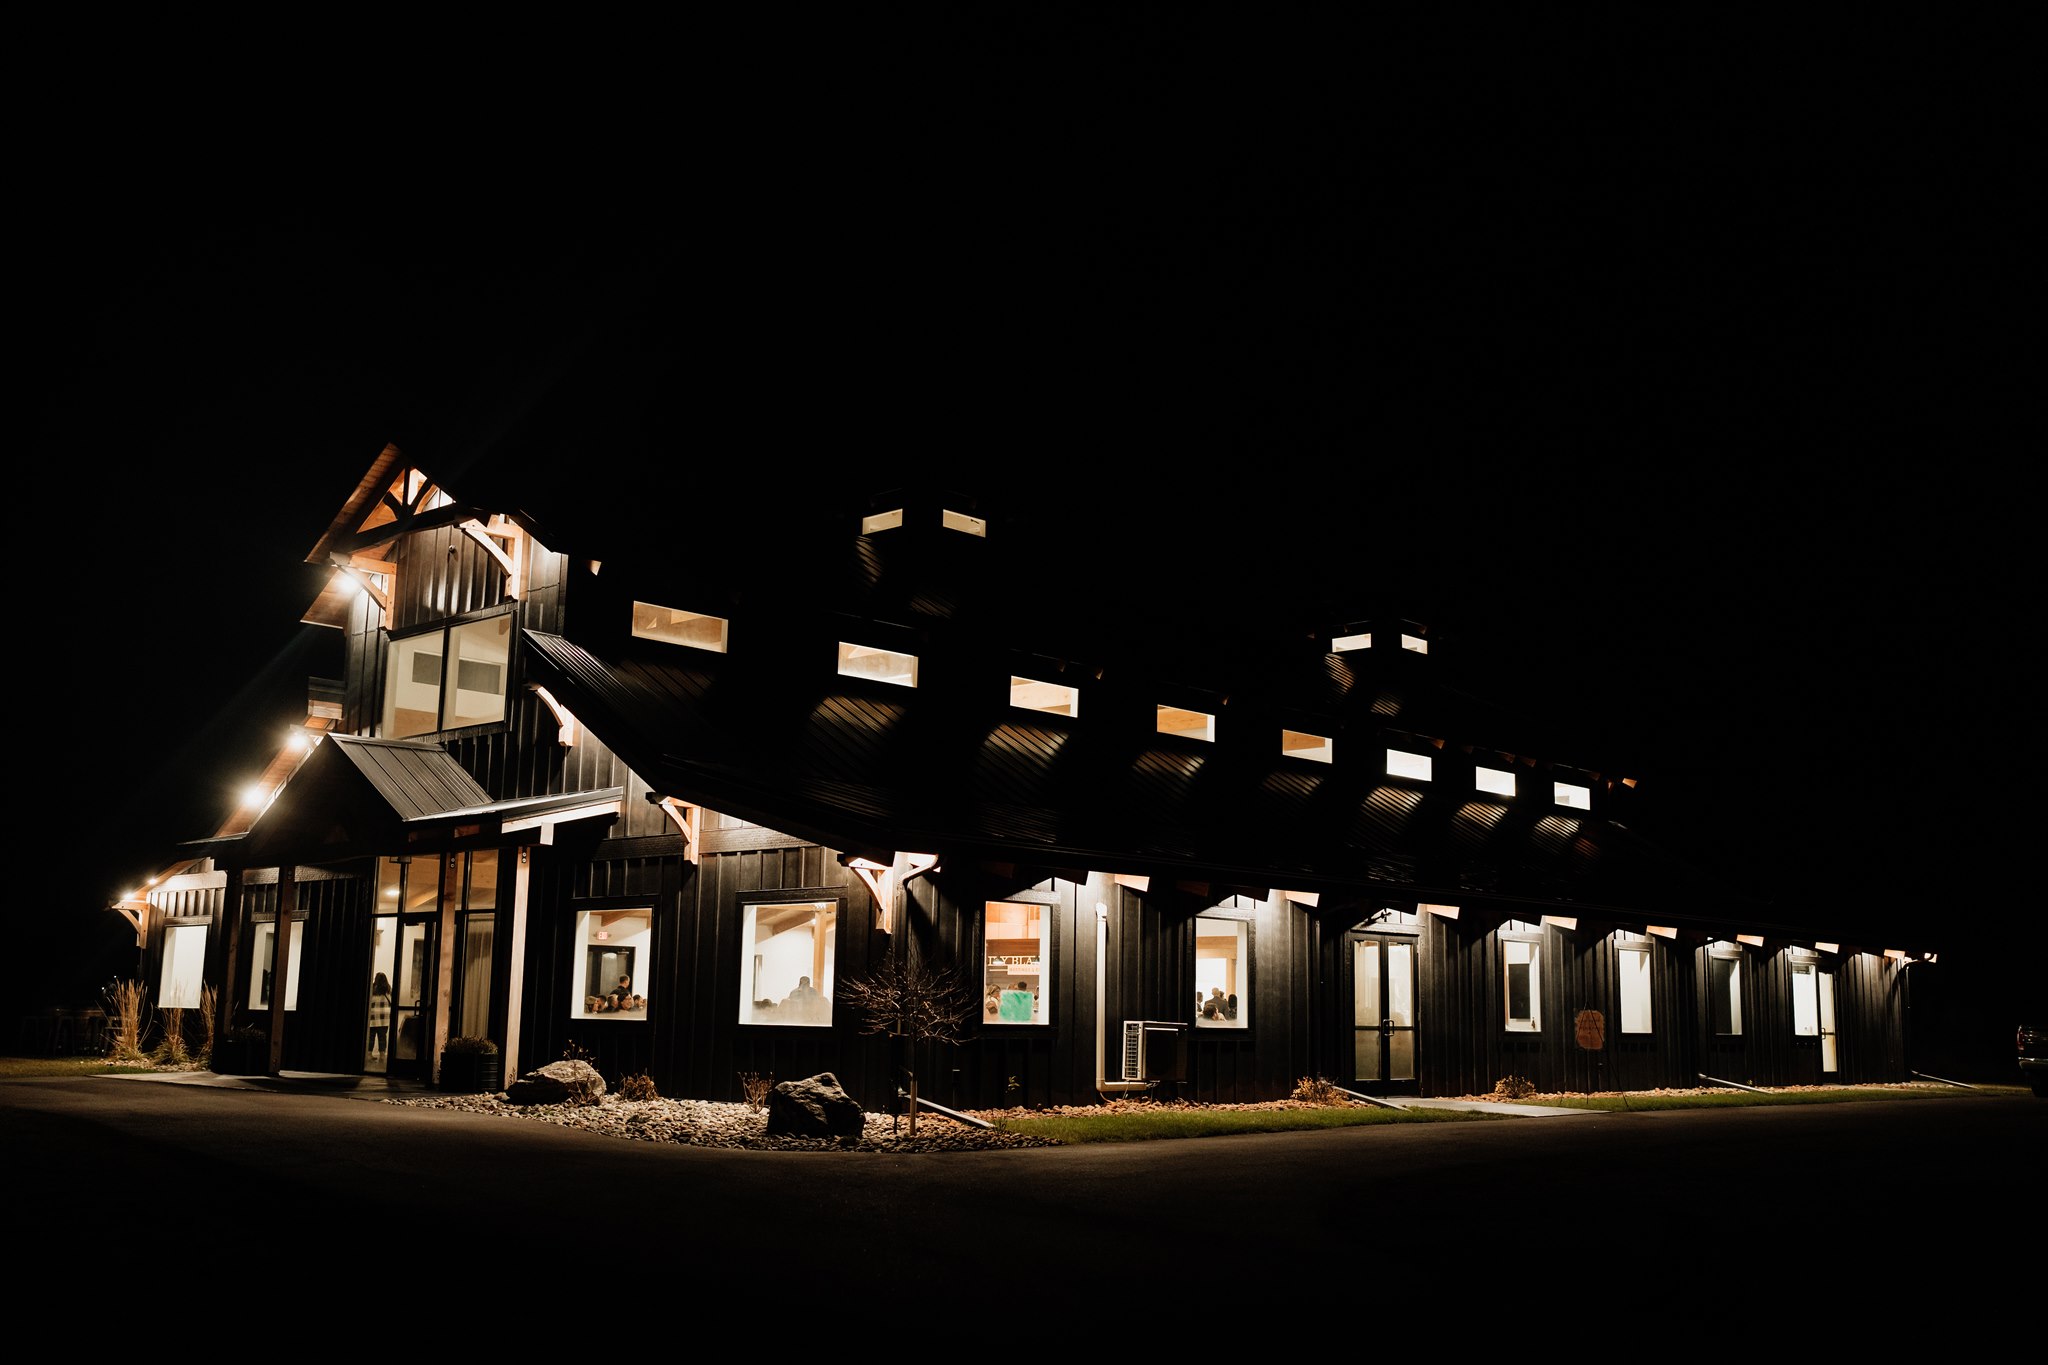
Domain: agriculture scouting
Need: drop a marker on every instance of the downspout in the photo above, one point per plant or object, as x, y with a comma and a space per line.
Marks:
1104, 1085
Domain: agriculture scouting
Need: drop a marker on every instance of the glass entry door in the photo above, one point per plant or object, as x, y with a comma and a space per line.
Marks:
1383, 1014
412, 1016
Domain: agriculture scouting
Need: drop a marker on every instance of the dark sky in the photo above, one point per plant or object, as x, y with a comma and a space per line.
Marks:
1686, 410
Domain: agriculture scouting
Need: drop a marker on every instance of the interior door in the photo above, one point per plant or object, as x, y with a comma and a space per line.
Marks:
1383, 1014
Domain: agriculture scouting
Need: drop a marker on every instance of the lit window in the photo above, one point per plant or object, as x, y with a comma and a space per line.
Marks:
1495, 780
1055, 699
1222, 973
961, 521
1415, 643
1522, 966
877, 665
1805, 1001
423, 695
1570, 794
1724, 993
673, 625
263, 962
787, 950
1401, 764
881, 521
1296, 744
184, 969
1017, 939
475, 882
1175, 720
608, 965
1344, 644
1634, 969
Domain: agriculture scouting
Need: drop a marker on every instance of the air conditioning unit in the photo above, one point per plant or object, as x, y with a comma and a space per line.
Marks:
1155, 1050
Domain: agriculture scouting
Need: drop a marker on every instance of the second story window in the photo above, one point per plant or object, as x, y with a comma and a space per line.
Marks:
447, 677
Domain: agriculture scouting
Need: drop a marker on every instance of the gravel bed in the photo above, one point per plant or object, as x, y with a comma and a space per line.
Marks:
707, 1123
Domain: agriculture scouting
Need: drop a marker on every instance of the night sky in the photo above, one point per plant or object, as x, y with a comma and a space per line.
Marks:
1687, 411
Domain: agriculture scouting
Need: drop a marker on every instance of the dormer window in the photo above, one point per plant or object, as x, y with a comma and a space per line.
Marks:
1344, 644
1572, 795
1403, 764
1300, 744
877, 665
1495, 780
881, 521
673, 625
1415, 644
1055, 699
1178, 720
964, 522
424, 694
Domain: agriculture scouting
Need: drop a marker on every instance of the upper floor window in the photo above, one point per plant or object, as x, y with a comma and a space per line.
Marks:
1495, 780
1299, 744
1403, 764
675, 626
1055, 699
1572, 795
788, 952
1344, 644
877, 665
1177, 720
1222, 973
425, 693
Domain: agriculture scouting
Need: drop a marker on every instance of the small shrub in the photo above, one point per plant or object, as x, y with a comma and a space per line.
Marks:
170, 1049
1317, 1090
471, 1043
209, 1019
638, 1086
576, 1052
127, 1001
1513, 1088
756, 1087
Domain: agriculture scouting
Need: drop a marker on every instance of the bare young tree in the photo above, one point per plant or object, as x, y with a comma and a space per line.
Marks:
912, 1003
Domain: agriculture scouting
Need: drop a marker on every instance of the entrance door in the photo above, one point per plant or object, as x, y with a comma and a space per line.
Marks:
1830, 1060
1383, 1014
412, 1014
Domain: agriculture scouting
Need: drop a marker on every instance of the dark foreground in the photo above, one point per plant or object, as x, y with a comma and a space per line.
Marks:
291, 1206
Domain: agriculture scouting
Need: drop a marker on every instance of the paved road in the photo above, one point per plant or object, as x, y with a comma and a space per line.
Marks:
334, 1200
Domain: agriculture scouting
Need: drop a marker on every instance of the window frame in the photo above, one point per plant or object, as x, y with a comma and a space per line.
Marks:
1048, 956
449, 681
1624, 990
1726, 993
1523, 935
750, 1009
1242, 924
581, 944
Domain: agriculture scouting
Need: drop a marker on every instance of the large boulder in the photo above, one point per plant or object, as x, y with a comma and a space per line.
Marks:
565, 1082
815, 1107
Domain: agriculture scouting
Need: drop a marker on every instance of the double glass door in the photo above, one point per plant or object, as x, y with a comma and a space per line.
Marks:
1382, 1013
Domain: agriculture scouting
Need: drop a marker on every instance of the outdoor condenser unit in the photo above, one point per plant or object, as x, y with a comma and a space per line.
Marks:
1155, 1050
